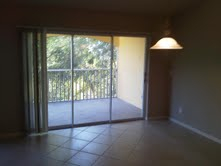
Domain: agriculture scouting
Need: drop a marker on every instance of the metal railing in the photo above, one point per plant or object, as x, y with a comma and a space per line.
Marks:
87, 84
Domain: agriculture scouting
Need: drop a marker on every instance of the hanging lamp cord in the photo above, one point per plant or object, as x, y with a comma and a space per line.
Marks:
167, 28
167, 31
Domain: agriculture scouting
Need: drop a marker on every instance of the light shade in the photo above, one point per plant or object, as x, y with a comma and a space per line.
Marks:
167, 43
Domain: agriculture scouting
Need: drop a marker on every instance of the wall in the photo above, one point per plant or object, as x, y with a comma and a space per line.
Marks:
196, 73
131, 70
159, 84
12, 113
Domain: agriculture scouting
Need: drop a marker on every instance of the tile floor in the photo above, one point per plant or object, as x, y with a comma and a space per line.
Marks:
139, 143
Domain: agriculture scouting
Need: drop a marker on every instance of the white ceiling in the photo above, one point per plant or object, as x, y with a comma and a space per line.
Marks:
127, 6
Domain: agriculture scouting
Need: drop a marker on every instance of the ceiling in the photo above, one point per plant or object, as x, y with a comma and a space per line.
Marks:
127, 6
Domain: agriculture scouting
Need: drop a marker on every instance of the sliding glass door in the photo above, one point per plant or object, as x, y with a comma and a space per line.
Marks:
128, 77
94, 79
59, 74
92, 55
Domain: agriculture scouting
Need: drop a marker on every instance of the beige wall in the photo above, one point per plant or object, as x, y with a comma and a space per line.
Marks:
159, 84
12, 113
131, 70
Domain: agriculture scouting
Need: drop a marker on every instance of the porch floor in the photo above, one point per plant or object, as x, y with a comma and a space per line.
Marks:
86, 111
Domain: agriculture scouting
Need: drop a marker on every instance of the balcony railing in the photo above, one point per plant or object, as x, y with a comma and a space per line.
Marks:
87, 84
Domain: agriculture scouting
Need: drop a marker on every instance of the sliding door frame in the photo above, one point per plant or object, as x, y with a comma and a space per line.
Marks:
72, 33
72, 78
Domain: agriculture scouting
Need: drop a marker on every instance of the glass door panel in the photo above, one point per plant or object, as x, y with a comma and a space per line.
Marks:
81, 65
92, 57
128, 77
59, 73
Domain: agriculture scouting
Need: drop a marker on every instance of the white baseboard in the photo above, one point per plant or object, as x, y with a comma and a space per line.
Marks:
196, 130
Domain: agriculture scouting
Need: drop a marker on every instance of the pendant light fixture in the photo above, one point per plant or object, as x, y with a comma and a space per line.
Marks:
167, 42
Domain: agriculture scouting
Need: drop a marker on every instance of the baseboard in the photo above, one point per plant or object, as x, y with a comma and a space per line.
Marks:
158, 118
11, 135
208, 136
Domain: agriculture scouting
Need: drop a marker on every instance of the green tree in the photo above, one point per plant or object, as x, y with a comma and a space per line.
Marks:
89, 53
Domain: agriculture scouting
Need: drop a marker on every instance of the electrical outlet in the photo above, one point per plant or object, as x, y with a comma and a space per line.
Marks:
180, 110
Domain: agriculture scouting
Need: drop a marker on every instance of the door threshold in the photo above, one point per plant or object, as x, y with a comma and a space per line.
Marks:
94, 123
